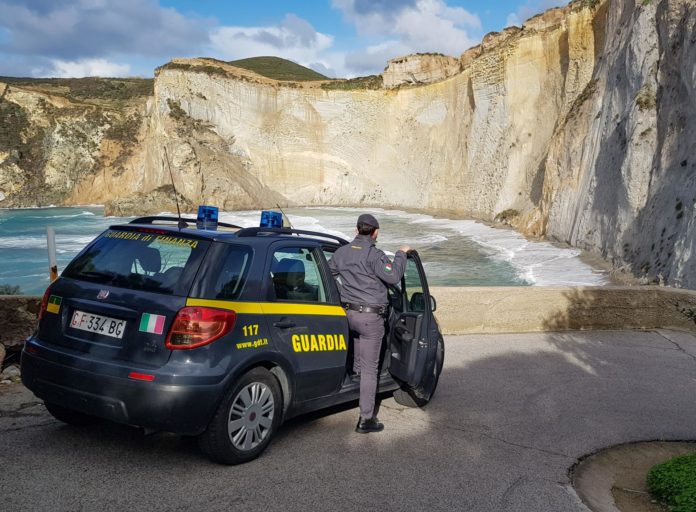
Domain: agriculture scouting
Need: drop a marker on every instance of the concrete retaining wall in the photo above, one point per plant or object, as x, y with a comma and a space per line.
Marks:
489, 310
527, 309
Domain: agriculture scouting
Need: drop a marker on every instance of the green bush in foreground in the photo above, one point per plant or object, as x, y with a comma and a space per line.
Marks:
8, 289
674, 483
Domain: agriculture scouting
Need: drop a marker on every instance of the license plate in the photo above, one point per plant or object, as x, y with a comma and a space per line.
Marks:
97, 323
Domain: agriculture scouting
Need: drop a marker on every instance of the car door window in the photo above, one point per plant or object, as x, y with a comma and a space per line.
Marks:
296, 277
415, 299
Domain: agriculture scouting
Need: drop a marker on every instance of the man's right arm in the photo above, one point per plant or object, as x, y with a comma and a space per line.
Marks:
389, 271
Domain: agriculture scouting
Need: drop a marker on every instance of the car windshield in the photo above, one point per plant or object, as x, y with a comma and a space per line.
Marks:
141, 261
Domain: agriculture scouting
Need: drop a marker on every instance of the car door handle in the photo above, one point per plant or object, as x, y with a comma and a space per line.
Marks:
284, 324
403, 333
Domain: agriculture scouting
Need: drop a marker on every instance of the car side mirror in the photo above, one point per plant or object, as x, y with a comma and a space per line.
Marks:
433, 303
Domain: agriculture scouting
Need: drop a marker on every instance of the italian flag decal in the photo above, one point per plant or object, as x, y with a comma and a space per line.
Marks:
53, 305
152, 323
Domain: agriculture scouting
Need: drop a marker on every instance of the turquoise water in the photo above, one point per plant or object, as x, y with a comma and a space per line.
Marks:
455, 252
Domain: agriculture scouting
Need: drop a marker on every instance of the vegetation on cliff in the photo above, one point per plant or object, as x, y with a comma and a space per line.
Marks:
274, 68
361, 82
278, 69
90, 90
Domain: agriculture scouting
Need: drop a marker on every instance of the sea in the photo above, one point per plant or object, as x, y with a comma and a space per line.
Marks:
454, 252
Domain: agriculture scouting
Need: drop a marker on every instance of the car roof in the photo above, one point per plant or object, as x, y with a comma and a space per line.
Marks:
226, 232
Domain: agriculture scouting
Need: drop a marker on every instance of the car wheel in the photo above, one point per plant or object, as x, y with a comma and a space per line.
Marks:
69, 416
246, 419
420, 396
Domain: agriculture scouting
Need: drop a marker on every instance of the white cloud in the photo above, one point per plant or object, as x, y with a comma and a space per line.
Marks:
373, 59
294, 39
417, 26
87, 67
529, 9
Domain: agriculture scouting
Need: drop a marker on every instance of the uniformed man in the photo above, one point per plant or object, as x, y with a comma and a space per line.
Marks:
362, 272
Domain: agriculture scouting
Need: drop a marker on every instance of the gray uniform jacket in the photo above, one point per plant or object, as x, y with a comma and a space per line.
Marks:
361, 271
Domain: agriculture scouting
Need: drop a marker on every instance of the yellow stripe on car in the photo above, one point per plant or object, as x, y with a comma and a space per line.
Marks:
270, 308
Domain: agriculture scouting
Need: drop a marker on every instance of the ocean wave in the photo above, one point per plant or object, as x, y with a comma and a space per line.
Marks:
51, 217
63, 242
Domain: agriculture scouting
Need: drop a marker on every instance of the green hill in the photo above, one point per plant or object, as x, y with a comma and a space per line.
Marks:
278, 69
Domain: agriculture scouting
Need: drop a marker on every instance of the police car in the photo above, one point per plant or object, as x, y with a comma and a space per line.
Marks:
221, 334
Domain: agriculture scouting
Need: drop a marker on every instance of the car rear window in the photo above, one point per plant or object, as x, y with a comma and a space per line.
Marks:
141, 261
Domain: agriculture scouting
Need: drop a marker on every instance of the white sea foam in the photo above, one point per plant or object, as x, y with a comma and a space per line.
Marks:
539, 263
51, 217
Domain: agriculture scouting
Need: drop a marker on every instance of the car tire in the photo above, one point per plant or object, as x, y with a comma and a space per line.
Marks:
69, 416
421, 396
246, 419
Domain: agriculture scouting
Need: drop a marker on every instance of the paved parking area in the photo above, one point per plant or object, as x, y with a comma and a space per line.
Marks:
512, 414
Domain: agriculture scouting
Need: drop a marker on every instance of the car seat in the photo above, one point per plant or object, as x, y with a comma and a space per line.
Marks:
289, 281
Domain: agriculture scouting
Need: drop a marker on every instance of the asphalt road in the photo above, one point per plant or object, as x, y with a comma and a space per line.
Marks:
512, 415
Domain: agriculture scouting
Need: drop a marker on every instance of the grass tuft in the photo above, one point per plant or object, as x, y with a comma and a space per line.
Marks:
674, 483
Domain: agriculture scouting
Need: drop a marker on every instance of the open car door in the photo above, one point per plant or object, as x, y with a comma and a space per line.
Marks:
415, 345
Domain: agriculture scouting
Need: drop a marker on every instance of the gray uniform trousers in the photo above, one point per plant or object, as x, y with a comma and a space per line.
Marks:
367, 344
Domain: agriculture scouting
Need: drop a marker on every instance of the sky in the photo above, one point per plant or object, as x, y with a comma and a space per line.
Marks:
339, 38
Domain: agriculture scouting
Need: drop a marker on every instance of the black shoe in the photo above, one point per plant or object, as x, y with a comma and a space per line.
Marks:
371, 425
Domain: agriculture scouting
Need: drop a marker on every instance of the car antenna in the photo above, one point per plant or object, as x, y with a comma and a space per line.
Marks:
281, 211
181, 224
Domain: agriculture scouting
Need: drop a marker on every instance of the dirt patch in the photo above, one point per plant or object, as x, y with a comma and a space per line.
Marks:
615, 479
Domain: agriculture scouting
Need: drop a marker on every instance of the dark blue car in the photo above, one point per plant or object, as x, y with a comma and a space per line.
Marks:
216, 334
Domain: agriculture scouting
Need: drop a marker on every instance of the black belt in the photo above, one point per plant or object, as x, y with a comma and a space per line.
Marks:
364, 308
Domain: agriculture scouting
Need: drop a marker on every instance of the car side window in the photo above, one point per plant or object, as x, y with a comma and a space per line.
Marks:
296, 277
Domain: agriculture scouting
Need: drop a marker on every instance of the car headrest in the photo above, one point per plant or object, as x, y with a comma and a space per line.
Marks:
149, 259
291, 271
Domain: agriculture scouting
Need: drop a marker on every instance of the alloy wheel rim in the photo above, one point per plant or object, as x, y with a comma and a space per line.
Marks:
251, 416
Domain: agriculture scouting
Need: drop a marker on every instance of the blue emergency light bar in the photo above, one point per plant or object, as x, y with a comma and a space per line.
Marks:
270, 219
207, 218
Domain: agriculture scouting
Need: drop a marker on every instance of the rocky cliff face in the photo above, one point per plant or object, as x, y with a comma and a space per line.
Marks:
419, 69
55, 135
579, 126
620, 176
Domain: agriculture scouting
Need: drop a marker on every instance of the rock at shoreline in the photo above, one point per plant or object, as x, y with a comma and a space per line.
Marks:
20, 314
159, 200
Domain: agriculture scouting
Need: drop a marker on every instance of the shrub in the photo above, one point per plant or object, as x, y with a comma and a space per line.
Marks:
507, 215
8, 289
674, 483
645, 99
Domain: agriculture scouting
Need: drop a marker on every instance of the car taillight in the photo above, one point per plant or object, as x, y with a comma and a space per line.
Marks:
44, 302
197, 326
